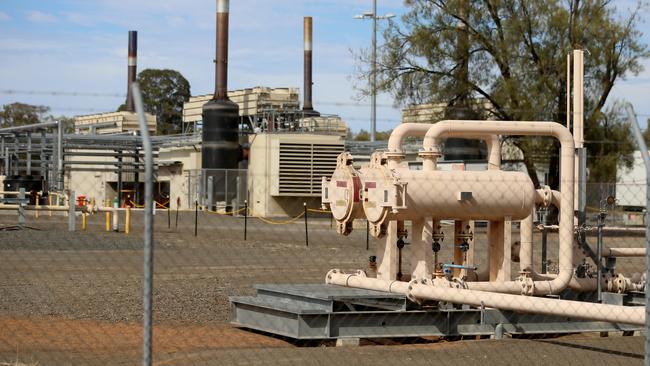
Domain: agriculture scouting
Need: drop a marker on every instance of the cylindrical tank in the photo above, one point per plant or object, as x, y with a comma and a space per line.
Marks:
404, 194
220, 148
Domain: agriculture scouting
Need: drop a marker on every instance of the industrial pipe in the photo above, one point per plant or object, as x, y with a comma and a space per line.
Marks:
395, 152
538, 305
132, 69
624, 252
221, 61
308, 30
464, 128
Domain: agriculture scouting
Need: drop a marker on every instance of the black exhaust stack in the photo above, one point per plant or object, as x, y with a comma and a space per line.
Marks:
220, 147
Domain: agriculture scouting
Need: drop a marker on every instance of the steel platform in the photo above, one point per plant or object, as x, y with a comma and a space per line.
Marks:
320, 311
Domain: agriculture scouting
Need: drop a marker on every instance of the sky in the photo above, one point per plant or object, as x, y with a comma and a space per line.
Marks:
80, 46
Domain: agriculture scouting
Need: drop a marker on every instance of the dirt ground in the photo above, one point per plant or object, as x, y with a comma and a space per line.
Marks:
76, 298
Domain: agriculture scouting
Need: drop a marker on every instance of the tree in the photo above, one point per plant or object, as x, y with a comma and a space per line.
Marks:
163, 95
18, 114
364, 135
511, 55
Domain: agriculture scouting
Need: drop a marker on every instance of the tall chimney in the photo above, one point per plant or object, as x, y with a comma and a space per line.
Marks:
133, 59
220, 147
307, 105
221, 60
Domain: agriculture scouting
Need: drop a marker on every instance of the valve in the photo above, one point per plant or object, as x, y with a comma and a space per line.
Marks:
464, 246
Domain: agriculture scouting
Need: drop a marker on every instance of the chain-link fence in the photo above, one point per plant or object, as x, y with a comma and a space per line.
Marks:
273, 266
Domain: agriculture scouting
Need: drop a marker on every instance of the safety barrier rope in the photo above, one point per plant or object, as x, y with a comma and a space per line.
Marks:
318, 210
272, 222
223, 213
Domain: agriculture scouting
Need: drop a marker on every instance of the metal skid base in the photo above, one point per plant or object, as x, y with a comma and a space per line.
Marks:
320, 311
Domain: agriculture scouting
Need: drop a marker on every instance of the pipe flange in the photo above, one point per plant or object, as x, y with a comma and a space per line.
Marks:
360, 273
408, 293
429, 153
547, 196
527, 285
328, 276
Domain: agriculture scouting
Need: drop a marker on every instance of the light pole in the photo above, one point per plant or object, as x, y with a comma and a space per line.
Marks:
373, 65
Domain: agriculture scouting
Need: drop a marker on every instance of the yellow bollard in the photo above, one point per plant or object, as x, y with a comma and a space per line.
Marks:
49, 204
83, 221
108, 221
36, 213
127, 224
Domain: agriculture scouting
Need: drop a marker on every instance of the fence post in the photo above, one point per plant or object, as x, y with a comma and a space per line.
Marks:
71, 215
178, 205
304, 204
148, 228
646, 160
21, 207
196, 218
169, 213
367, 234
245, 218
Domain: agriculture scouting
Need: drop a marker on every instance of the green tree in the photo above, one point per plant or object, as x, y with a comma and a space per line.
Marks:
511, 55
364, 135
18, 114
163, 95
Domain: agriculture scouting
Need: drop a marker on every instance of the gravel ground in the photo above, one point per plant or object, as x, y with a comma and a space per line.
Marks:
93, 279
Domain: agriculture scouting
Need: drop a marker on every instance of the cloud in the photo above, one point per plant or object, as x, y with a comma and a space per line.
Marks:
40, 17
4, 17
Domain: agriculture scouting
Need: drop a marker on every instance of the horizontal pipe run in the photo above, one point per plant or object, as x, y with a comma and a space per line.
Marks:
28, 128
336, 277
538, 305
624, 252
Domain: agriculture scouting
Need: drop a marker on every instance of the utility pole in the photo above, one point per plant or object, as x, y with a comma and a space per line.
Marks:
373, 65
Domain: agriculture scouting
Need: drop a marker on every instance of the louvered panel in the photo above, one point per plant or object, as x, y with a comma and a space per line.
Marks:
303, 164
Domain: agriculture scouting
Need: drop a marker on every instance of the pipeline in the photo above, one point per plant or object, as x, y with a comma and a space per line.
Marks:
458, 295
465, 128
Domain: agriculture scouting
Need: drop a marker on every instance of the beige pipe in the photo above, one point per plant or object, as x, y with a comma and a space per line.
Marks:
394, 152
359, 280
464, 128
404, 130
538, 305
624, 252
494, 152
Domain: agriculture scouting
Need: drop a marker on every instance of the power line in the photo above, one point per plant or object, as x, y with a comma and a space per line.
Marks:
63, 93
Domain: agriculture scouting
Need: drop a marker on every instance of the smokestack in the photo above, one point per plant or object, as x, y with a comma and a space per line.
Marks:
220, 147
221, 60
133, 59
308, 106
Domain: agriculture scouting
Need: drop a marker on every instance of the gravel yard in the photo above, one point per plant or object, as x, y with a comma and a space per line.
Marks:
75, 298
